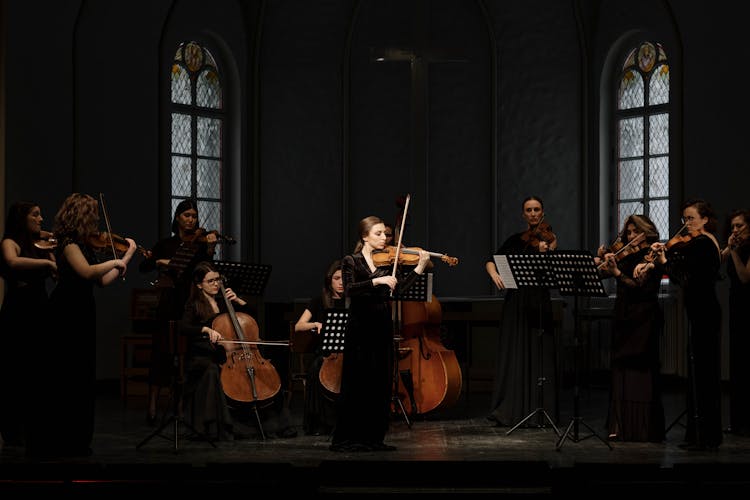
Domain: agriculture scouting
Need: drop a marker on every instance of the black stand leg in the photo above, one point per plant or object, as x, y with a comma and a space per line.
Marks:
541, 380
577, 420
395, 399
176, 419
251, 375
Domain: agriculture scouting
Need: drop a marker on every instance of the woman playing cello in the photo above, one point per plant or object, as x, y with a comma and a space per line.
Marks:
205, 404
320, 413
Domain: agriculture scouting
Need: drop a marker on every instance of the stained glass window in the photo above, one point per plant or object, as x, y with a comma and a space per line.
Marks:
197, 125
642, 128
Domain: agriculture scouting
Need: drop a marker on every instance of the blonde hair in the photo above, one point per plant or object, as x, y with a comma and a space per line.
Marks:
365, 226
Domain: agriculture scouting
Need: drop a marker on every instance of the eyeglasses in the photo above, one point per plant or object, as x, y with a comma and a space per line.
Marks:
213, 281
688, 219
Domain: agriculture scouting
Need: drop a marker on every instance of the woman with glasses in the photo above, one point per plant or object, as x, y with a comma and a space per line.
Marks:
693, 263
205, 403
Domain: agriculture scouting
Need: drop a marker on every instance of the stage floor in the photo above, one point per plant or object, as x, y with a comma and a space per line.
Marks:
455, 451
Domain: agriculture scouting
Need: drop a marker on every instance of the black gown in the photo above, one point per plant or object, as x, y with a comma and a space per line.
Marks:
695, 267
636, 412
63, 420
24, 306
739, 343
518, 365
364, 404
205, 404
319, 415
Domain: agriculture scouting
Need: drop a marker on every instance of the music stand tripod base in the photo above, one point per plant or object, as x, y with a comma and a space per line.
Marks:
577, 275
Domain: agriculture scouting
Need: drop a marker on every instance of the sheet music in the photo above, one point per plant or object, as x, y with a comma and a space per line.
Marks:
503, 269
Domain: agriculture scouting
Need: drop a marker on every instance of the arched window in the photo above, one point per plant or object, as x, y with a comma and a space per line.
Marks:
198, 117
642, 127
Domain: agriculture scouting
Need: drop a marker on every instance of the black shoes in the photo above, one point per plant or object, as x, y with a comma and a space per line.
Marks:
287, 432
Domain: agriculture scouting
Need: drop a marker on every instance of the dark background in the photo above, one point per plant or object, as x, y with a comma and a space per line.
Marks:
506, 99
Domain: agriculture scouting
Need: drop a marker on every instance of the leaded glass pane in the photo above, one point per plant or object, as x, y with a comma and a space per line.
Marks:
208, 90
209, 178
193, 56
181, 176
631, 179
658, 178
658, 212
210, 215
658, 140
631, 90
180, 85
658, 92
626, 209
631, 137
209, 137
181, 134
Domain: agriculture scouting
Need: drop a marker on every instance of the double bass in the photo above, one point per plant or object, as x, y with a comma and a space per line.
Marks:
435, 374
245, 376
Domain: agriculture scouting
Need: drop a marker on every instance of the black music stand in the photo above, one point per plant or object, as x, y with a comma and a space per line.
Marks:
333, 331
528, 270
334, 328
247, 280
178, 382
419, 291
577, 275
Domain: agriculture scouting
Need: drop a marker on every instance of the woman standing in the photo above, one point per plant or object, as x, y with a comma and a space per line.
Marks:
70, 349
320, 413
367, 379
693, 263
25, 269
518, 361
635, 412
737, 256
174, 259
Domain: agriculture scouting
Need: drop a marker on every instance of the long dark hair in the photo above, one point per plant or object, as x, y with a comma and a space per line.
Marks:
17, 228
327, 293
197, 297
183, 206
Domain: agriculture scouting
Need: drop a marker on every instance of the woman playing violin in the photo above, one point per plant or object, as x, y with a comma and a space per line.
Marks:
174, 259
737, 256
67, 369
636, 412
365, 400
694, 265
25, 269
525, 311
319, 416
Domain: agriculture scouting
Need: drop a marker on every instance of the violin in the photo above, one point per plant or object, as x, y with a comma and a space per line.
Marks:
46, 241
535, 235
100, 242
407, 257
624, 249
200, 235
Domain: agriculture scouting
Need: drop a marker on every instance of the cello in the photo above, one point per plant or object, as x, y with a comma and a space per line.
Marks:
434, 369
245, 376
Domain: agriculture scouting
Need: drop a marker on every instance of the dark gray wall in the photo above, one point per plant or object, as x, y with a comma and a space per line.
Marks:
320, 136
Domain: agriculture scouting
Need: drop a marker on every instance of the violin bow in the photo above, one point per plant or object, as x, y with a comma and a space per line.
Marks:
401, 234
109, 229
638, 239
